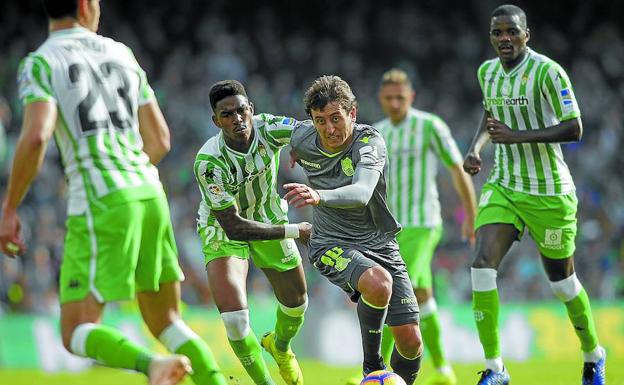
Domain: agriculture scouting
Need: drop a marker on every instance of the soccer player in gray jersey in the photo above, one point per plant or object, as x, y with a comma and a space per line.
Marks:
529, 109
90, 93
353, 242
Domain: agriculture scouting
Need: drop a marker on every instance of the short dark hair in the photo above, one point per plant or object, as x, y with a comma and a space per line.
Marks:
223, 89
57, 9
510, 10
328, 89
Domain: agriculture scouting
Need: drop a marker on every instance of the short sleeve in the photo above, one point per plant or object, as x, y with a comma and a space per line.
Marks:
443, 143
213, 181
146, 93
278, 129
35, 80
370, 152
481, 73
558, 90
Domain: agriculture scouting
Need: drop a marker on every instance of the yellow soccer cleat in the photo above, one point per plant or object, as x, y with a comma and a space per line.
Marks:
286, 361
440, 378
354, 380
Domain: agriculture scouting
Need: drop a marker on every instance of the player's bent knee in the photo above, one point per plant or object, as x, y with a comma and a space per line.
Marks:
567, 289
376, 285
297, 310
409, 341
236, 324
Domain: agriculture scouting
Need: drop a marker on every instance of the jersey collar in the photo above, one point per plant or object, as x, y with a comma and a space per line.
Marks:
70, 31
519, 66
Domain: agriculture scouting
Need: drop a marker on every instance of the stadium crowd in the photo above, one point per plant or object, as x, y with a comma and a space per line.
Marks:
276, 49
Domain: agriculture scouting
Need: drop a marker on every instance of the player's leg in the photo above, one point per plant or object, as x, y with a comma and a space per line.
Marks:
98, 239
158, 277
227, 279
552, 223
281, 263
497, 227
403, 321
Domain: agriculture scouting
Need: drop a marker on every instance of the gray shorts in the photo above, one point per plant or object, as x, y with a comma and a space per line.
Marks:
344, 264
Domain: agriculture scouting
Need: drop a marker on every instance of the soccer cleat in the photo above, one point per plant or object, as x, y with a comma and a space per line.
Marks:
489, 377
354, 380
286, 361
594, 372
168, 370
439, 378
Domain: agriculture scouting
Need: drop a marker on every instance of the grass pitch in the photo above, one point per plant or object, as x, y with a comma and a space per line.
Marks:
316, 373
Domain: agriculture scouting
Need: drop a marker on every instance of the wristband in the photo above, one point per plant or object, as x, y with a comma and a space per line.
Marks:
291, 231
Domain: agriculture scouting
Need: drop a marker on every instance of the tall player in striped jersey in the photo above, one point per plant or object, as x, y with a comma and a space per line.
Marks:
241, 216
416, 140
91, 95
529, 109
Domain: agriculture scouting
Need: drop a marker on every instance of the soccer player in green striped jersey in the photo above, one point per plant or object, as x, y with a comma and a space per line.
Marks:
529, 109
90, 93
416, 140
241, 216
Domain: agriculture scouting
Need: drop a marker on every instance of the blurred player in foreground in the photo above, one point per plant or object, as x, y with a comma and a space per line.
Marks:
353, 242
90, 93
529, 109
416, 140
241, 216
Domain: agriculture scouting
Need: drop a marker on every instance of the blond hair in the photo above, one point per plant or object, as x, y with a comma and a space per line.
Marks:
395, 76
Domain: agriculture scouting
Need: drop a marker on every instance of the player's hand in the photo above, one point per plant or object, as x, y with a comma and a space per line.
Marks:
472, 163
468, 232
10, 242
293, 158
300, 195
305, 230
499, 132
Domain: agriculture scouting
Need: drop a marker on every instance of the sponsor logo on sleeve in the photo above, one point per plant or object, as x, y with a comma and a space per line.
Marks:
566, 99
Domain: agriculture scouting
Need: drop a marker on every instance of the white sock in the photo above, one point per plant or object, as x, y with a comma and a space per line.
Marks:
595, 355
495, 364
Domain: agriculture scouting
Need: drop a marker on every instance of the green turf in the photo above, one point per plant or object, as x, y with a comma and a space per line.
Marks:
315, 373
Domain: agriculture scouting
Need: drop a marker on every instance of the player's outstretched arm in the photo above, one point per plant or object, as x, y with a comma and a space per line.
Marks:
472, 161
567, 131
37, 128
238, 228
154, 132
357, 194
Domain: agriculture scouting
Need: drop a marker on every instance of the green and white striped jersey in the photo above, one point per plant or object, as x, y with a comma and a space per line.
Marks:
249, 180
97, 86
413, 148
536, 94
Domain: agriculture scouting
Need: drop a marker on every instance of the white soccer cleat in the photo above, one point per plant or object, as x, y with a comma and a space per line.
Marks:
169, 370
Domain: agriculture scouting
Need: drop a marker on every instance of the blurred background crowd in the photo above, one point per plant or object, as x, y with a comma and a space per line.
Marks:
276, 49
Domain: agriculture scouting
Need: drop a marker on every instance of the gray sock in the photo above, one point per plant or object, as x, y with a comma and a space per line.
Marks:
371, 326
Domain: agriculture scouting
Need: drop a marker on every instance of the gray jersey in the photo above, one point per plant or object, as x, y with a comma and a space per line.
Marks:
372, 226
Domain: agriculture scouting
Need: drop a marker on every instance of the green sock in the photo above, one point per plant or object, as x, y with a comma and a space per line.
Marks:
249, 353
430, 329
286, 328
108, 346
387, 344
485, 308
579, 312
205, 368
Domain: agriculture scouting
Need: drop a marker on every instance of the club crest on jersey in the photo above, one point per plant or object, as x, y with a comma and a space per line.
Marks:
249, 167
347, 166
262, 150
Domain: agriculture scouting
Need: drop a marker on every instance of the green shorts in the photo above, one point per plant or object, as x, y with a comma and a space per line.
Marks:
551, 220
114, 251
417, 246
279, 255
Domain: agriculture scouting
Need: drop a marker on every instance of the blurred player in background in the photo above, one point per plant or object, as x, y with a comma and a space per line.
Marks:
90, 93
241, 216
353, 242
529, 109
415, 141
